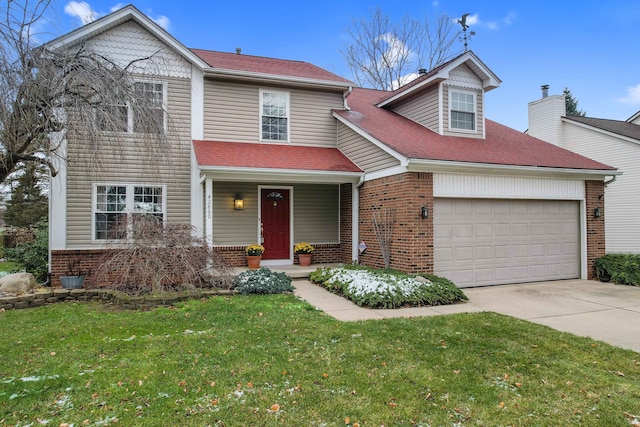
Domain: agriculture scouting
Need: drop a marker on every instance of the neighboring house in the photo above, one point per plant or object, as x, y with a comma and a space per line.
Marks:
614, 142
283, 151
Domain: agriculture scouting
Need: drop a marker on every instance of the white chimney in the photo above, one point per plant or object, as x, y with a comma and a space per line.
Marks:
545, 117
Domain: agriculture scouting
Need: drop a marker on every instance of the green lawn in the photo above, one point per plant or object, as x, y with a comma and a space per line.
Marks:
274, 360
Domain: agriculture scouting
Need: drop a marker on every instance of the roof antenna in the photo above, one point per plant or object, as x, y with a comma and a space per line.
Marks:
463, 22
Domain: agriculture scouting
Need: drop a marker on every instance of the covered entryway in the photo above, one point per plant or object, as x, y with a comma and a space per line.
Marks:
480, 242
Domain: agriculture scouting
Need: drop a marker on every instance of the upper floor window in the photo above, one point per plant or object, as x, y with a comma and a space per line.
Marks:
117, 207
274, 116
462, 107
144, 113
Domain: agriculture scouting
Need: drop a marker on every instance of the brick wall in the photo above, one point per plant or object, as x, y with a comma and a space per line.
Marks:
86, 260
346, 219
412, 246
324, 253
594, 196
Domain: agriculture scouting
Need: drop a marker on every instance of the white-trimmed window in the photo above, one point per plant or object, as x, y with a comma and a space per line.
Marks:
274, 115
117, 206
127, 116
462, 110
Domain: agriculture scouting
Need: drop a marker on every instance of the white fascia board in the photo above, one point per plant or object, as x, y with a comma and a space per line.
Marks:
422, 165
599, 130
118, 17
489, 79
381, 145
385, 173
279, 175
275, 78
436, 78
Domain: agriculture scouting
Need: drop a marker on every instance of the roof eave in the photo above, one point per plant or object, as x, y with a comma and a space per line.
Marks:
116, 18
489, 79
274, 78
247, 174
426, 165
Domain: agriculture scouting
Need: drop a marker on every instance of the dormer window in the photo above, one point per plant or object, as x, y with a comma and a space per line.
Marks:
274, 115
462, 110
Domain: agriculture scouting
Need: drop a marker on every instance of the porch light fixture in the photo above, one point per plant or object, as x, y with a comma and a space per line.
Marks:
238, 203
424, 213
597, 213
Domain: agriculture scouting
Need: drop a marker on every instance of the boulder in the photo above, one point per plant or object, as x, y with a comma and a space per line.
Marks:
423, 280
18, 283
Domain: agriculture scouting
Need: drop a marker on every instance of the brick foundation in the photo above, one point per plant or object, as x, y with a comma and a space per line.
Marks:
324, 253
87, 261
594, 197
412, 246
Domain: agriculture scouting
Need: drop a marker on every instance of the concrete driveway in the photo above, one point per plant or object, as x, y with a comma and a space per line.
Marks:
602, 311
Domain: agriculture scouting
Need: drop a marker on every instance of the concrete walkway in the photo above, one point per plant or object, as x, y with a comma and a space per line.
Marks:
602, 311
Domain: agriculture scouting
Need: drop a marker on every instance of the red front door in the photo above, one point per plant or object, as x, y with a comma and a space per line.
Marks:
274, 214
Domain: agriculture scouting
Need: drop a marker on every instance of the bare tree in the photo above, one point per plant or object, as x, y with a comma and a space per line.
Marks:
385, 55
49, 95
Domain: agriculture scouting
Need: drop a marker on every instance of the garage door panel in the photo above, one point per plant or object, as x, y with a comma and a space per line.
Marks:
485, 242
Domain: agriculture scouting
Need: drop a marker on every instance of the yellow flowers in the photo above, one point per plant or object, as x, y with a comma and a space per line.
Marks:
303, 248
254, 250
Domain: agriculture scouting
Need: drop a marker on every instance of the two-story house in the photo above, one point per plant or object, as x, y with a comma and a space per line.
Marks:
616, 142
279, 152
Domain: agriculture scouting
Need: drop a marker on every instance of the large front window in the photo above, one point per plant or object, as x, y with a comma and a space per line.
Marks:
144, 113
274, 116
463, 110
118, 207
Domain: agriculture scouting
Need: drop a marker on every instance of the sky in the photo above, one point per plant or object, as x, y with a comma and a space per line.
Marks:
589, 46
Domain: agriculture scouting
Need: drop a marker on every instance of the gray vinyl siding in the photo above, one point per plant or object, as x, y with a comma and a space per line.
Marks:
362, 152
235, 227
130, 163
315, 213
422, 109
479, 132
232, 113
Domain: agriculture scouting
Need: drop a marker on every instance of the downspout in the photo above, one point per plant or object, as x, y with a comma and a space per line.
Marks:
345, 95
611, 181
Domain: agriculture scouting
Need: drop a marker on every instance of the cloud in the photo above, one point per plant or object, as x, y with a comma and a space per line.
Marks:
492, 25
163, 21
633, 95
81, 10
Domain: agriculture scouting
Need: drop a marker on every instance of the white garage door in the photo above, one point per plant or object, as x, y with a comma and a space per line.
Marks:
491, 242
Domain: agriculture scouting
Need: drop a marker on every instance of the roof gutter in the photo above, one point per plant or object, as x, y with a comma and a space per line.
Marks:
244, 75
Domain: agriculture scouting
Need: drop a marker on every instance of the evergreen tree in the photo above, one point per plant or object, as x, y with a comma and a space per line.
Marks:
28, 204
571, 104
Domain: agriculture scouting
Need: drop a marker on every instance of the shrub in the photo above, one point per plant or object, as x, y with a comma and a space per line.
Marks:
623, 269
33, 255
161, 258
387, 288
262, 281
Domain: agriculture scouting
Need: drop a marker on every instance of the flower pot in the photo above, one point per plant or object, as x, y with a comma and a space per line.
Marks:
254, 261
71, 282
304, 259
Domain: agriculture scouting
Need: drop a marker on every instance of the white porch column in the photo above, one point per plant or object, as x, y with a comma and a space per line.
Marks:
208, 190
355, 206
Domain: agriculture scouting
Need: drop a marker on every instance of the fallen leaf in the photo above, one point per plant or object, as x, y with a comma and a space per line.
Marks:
620, 374
325, 375
53, 353
275, 407
347, 420
140, 382
502, 404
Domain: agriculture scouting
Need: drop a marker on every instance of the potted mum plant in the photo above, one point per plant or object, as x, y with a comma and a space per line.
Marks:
254, 255
304, 251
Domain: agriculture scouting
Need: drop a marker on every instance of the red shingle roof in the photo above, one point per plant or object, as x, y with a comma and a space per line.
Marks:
501, 146
271, 156
260, 64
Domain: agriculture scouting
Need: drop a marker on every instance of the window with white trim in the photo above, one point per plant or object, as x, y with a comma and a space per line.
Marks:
274, 116
145, 113
462, 110
116, 207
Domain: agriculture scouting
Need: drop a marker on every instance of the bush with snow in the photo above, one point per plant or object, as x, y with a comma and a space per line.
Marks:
387, 288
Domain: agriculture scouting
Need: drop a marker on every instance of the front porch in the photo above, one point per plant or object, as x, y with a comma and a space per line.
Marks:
294, 271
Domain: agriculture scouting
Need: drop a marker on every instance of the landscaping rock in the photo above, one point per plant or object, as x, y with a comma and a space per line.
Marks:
18, 283
422, 279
